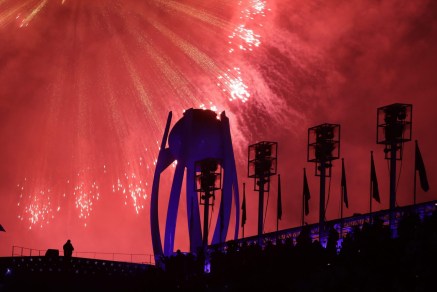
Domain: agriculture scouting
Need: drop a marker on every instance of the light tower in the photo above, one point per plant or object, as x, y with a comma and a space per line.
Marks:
208, 180
323, 148
393, 129
262, 164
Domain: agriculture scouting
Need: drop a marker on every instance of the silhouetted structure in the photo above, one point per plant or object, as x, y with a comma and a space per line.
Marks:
262, 164
41, 273
52, 252
208, 180
323, 148
198, 135
364, 258
394, 127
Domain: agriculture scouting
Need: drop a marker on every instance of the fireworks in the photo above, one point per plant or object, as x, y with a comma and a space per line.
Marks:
112, 72
86, 87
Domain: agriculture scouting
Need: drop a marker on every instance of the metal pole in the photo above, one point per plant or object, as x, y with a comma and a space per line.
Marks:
205, 219
244, 195
415, 173
303, 201
243, 231
322, 200
277, 218
341, 210
260, 208
393, 151
371, 188
221, 218
303, 209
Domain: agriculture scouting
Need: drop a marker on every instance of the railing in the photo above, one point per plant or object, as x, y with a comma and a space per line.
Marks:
24, 251
108, 256
343, 227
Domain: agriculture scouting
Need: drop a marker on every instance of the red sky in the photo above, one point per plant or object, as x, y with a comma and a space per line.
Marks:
85, 89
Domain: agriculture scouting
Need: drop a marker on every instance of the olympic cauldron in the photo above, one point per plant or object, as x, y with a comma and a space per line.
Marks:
198, 135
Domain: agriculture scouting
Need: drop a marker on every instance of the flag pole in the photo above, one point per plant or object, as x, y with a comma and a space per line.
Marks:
415, 173
303, 202
277, 207
341, 202
341, 214
370, 193
244, 195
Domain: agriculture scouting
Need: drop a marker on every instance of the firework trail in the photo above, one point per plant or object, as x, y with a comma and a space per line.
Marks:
103, 82
86, 87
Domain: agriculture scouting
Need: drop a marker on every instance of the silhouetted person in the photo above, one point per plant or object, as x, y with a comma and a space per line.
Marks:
68, 249
333, 237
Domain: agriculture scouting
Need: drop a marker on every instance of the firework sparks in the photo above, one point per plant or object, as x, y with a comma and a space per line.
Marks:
38, 210
112, 87
33, 13
86, 87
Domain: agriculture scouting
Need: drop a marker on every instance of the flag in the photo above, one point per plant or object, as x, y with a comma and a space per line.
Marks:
243, 207
306, 192
343, 184
420, 167
373, 180
279, 205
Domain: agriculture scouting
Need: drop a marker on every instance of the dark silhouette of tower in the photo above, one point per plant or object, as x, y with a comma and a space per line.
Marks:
262, 163
208, 180
323, 148
393, 129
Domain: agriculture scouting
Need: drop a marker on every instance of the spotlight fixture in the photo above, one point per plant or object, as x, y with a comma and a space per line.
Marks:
262, 164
